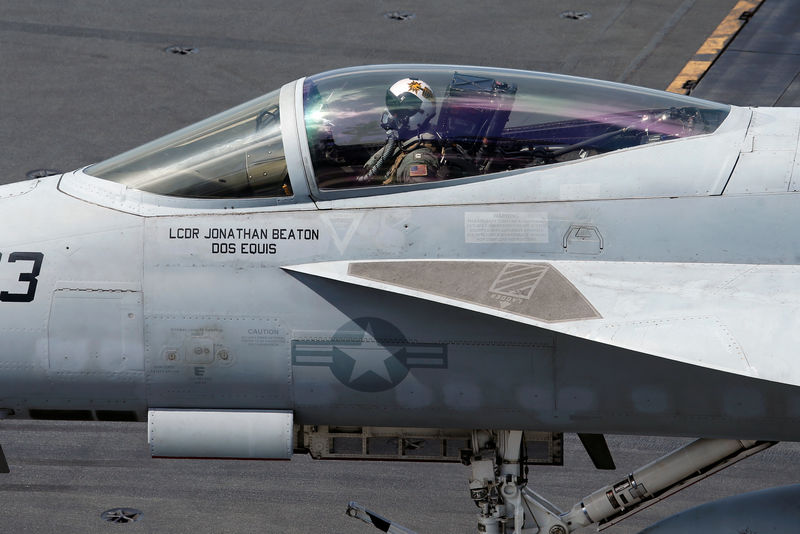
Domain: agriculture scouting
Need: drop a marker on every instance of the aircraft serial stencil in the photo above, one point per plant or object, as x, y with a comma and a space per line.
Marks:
384, 262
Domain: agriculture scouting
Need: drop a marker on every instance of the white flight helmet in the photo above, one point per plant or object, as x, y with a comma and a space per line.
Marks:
412, 104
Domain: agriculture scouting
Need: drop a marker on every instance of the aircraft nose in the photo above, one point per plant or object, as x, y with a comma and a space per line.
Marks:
15, 189
71, 321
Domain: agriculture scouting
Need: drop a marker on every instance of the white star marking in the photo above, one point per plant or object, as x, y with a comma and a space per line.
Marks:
370, 356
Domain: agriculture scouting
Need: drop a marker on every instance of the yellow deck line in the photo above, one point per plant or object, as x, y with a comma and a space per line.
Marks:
708, 53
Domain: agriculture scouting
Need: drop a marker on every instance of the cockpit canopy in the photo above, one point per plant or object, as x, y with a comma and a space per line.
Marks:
235, 154
486, 121
474, 121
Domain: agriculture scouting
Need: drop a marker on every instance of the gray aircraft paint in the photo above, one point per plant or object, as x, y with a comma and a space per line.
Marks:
661, 254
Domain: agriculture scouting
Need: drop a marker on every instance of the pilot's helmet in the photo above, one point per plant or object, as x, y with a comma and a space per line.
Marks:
411, 104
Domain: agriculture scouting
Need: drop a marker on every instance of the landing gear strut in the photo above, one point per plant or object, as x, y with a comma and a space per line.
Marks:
499, 485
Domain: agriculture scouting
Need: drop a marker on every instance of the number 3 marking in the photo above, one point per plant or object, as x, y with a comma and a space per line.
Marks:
36, 258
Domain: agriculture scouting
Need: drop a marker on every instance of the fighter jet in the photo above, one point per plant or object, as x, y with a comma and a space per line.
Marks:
417, 262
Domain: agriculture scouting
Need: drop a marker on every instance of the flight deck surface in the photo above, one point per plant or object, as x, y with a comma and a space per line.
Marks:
81, 83
761, 67
65, 474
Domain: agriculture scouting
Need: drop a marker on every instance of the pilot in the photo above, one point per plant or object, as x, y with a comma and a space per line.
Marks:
412, 153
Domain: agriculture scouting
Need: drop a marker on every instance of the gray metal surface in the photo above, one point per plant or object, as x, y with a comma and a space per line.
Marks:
260, 435
761, 67
79, 83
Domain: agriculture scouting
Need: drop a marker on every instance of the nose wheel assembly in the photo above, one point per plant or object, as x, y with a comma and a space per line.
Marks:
498, 485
